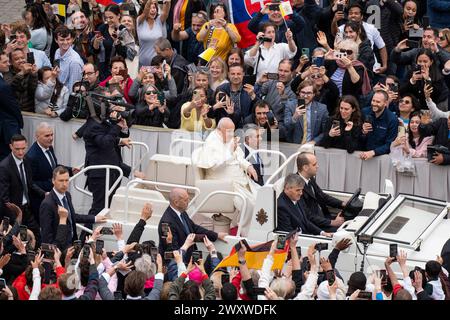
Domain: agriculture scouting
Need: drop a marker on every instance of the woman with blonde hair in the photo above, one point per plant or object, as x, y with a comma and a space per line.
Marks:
218, 72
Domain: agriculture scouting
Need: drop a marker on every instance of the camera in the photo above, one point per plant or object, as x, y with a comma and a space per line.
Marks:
168, 255
417, 68
321, 246
265, 39
5, 224
433, 150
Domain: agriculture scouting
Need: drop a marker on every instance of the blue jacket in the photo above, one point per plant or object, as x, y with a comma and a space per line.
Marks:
294, 130
385, 130
439, 13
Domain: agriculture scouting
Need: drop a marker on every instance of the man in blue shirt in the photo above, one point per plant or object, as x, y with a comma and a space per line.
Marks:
191, 47
380, 127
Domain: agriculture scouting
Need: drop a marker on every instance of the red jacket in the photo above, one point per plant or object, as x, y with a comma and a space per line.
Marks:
127, 87
24, 291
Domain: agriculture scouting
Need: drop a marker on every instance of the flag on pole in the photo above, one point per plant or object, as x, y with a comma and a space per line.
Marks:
286, 9
59, 9
207, 54
255, 256
108, 2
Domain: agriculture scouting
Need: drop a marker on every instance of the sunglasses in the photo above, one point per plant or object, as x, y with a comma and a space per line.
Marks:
405, 101
199, 14
151, 92
316, 76
349, 52
442, 38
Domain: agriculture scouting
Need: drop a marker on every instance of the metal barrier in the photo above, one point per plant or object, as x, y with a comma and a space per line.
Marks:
108, 191
178, 140
282, 167
133, 155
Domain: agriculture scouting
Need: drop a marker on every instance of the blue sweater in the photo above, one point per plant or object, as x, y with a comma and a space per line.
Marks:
439, 13
385, 130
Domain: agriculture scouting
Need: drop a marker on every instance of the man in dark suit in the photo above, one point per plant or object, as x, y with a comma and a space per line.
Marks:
16, 184
317, 201
181, 225
252, 140
11, 120
102, 143
57, 204
43, 161
290, 212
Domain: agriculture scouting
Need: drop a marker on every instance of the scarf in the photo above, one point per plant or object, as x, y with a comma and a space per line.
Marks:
366, 88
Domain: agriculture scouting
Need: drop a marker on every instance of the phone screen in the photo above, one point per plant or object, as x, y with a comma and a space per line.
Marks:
107, 230
99, 244
281, 242
2, 284
86, 250
393, 250
30, 57
165, 229
330, 277
301, 103
5, 224
196, 255
169, 255
23, 233
336, 124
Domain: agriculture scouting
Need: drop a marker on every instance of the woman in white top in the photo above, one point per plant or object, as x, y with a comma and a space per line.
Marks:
150, 26
132, 65
40, 28
218, 72
51, 95
271, 53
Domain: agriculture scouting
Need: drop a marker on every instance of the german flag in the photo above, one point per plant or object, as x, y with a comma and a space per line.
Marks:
255, 256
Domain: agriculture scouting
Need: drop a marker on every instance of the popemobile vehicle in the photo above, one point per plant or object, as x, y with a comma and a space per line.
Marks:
418, 225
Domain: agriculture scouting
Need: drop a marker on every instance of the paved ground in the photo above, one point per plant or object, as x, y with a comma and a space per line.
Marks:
11, 10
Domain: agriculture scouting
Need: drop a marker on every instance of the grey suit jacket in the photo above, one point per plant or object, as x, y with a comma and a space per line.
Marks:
318, 121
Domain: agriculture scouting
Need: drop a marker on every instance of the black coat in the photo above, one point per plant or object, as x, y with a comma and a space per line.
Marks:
256, 166
153, 118
178, 232
316, 205
348, 87
49, 220
291, 217
348, 140
102, 147
438, 129
11, 189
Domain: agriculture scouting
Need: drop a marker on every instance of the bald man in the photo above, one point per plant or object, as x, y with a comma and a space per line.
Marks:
223, 160
181, 225
43, 160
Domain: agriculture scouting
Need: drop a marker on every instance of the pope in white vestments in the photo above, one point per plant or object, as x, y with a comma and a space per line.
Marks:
224, 160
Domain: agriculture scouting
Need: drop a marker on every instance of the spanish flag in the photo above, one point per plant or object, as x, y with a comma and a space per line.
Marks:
255, 256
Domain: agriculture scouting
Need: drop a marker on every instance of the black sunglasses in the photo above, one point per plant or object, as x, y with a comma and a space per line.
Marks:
151, 92
349, 52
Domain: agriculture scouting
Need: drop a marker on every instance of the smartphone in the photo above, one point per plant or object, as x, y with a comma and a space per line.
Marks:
305, 52
259, 291
281, 241
2, 284
47, 250
317, 61
196, 255
299, 251
221, 96
272, 76
270, 118
31, 255
409, 20
417, 68
321, 246
365, 295
12, 38
199, 237
331, 277
161, 97
413, 33
225, 278
249, 79
393, 87
153, 253
412, 43
118, 295
99, 244
77, 246
336, 124
5, 224
428, 82
123, 73
368, 119
340, 7
30, 57
164, 225
274, 7
107, 231
86, 250
425, 22
97, 34
383, 275
23, 233
168, 255
301, 103
393, 250
57, 63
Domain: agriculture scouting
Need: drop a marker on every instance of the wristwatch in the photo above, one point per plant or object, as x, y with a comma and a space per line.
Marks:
242, 262
214, 252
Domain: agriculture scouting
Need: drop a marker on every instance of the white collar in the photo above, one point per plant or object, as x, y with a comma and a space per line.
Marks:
59, 195
17, 161
42, 148
176, 211
304, 179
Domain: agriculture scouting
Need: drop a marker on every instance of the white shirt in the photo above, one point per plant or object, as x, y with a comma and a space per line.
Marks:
60, 196
272, 57
372, 34
18, 162
304, 179
46, 154
178, 214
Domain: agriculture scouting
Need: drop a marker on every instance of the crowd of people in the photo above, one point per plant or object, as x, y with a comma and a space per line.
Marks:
323, 75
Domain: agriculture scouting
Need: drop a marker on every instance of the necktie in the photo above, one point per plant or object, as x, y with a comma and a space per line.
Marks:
305, 130
183, 221
69, 219
260, 164
52, 161
310, 188
24, 183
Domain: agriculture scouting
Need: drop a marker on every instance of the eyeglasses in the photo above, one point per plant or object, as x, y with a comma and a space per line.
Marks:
442, 38
316, 76
151, 92
405, 101
349, 52
89, 73
306, 93
199, 14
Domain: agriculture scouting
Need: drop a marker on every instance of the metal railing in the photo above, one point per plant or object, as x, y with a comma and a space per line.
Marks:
283, 167
178, 140
280, 154
155, 183
230, 193
133, 155
108, 190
